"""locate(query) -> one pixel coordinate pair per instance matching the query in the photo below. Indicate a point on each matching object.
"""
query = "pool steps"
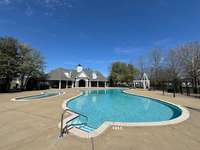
(80, 125)
(86, 128)
(76, 120)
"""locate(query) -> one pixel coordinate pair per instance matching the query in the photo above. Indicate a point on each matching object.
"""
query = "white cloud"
(54, 4)
(5, 2)
(29, 10)
(48, 6)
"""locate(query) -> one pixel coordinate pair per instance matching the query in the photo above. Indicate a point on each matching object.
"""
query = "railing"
(64, 130)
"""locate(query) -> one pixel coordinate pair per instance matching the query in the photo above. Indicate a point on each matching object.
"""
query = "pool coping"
(26, 100)
(80, 133)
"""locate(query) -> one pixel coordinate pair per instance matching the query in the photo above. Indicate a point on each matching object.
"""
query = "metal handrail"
(62, 130)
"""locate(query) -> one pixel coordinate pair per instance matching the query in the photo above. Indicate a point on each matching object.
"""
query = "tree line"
(179, 64)
(18, 60)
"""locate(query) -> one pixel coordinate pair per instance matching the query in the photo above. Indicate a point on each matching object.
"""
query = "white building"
(80, 77)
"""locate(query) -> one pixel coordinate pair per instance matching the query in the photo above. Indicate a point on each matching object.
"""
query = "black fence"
(185, 87)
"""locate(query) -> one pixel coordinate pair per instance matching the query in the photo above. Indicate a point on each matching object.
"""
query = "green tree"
(131, 72)
(18, 60)
(9, 59)
(31, 64)
(121, 72)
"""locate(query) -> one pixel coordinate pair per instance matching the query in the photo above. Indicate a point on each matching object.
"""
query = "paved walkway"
(33, 126)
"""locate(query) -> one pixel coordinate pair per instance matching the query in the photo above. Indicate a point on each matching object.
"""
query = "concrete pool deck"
(33, 125)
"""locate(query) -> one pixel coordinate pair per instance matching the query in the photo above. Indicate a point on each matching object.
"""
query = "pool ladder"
(64, 129)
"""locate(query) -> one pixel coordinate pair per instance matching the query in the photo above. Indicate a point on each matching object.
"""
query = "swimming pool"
(115, 106)
(42, 95)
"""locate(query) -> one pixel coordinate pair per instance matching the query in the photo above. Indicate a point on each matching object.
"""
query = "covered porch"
(84, 83)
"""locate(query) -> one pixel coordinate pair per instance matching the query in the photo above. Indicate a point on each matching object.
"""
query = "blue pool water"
(116, 106)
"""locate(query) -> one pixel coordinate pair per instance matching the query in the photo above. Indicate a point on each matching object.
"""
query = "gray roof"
(59, 74)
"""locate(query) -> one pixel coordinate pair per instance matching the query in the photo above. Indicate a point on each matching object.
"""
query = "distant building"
(79, 77)
(144, 82)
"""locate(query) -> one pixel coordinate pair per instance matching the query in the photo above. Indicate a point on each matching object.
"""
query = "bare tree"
(172, 65)
(189, 57)
(156, 65)
(141, 65)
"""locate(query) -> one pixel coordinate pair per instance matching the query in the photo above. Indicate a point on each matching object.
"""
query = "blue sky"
(96, 32)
